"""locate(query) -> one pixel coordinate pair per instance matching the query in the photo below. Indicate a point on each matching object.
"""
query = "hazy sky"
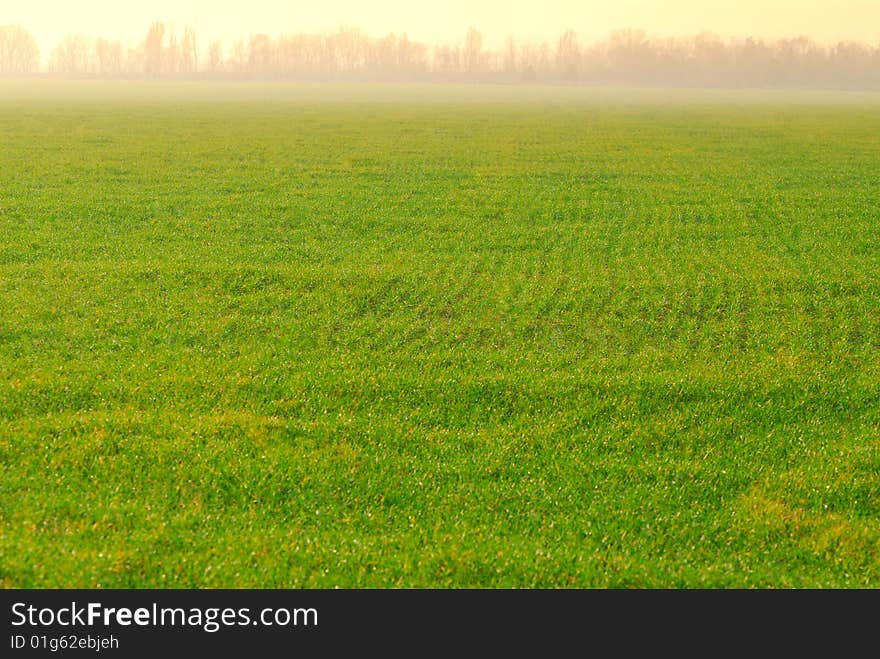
(447, 20)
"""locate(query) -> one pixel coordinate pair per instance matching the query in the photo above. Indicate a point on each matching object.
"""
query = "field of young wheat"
(316, 336)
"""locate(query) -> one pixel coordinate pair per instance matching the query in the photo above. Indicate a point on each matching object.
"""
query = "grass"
(318, 336)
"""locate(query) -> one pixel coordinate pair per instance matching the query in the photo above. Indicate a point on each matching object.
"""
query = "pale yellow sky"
(447, 20)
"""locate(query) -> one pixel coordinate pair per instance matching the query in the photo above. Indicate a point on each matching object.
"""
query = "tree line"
(624, 57)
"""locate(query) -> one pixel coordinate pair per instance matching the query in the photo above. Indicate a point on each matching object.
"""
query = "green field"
(313, 336)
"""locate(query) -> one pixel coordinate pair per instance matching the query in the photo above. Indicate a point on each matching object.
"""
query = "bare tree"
(627, 52)
(568, 55)
(416, 56)
(509, 60)
(153, 47)
(260, 54)
(171, 56)
(289, 52)
(238, 57)
(215, 56)
(447, 59)
(405, 54)
(18, 50)
(535, 60)
(72, 56)
(189, 52)
(350, 46)
(473, 50)
(108, 56)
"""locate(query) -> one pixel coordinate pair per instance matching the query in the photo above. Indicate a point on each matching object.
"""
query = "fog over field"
(675, 43)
